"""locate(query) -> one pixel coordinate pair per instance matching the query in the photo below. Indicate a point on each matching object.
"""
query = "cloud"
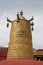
(38, 31)
(4, 32)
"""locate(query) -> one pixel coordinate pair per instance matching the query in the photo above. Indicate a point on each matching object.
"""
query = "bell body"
(20, 43)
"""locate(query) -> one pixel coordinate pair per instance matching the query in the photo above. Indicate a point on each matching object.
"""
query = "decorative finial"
(9, 20)
(21, 12)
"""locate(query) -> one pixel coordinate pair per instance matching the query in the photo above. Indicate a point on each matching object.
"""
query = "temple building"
(37, 54)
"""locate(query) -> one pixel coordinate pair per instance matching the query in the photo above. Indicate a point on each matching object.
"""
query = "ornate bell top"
(21, 15)
(21, 12)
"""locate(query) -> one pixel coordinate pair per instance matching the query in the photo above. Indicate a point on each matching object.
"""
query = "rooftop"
(21, 62)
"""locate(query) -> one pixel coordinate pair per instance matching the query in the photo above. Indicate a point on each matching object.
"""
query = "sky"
(10, 8)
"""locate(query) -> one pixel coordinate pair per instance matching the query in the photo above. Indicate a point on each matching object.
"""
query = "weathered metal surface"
(20, 43)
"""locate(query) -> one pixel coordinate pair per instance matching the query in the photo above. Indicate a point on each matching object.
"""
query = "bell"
(17, 17)
(32, 28)
(7, 25)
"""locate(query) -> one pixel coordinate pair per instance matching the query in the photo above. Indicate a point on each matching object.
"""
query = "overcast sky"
(9, 8)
